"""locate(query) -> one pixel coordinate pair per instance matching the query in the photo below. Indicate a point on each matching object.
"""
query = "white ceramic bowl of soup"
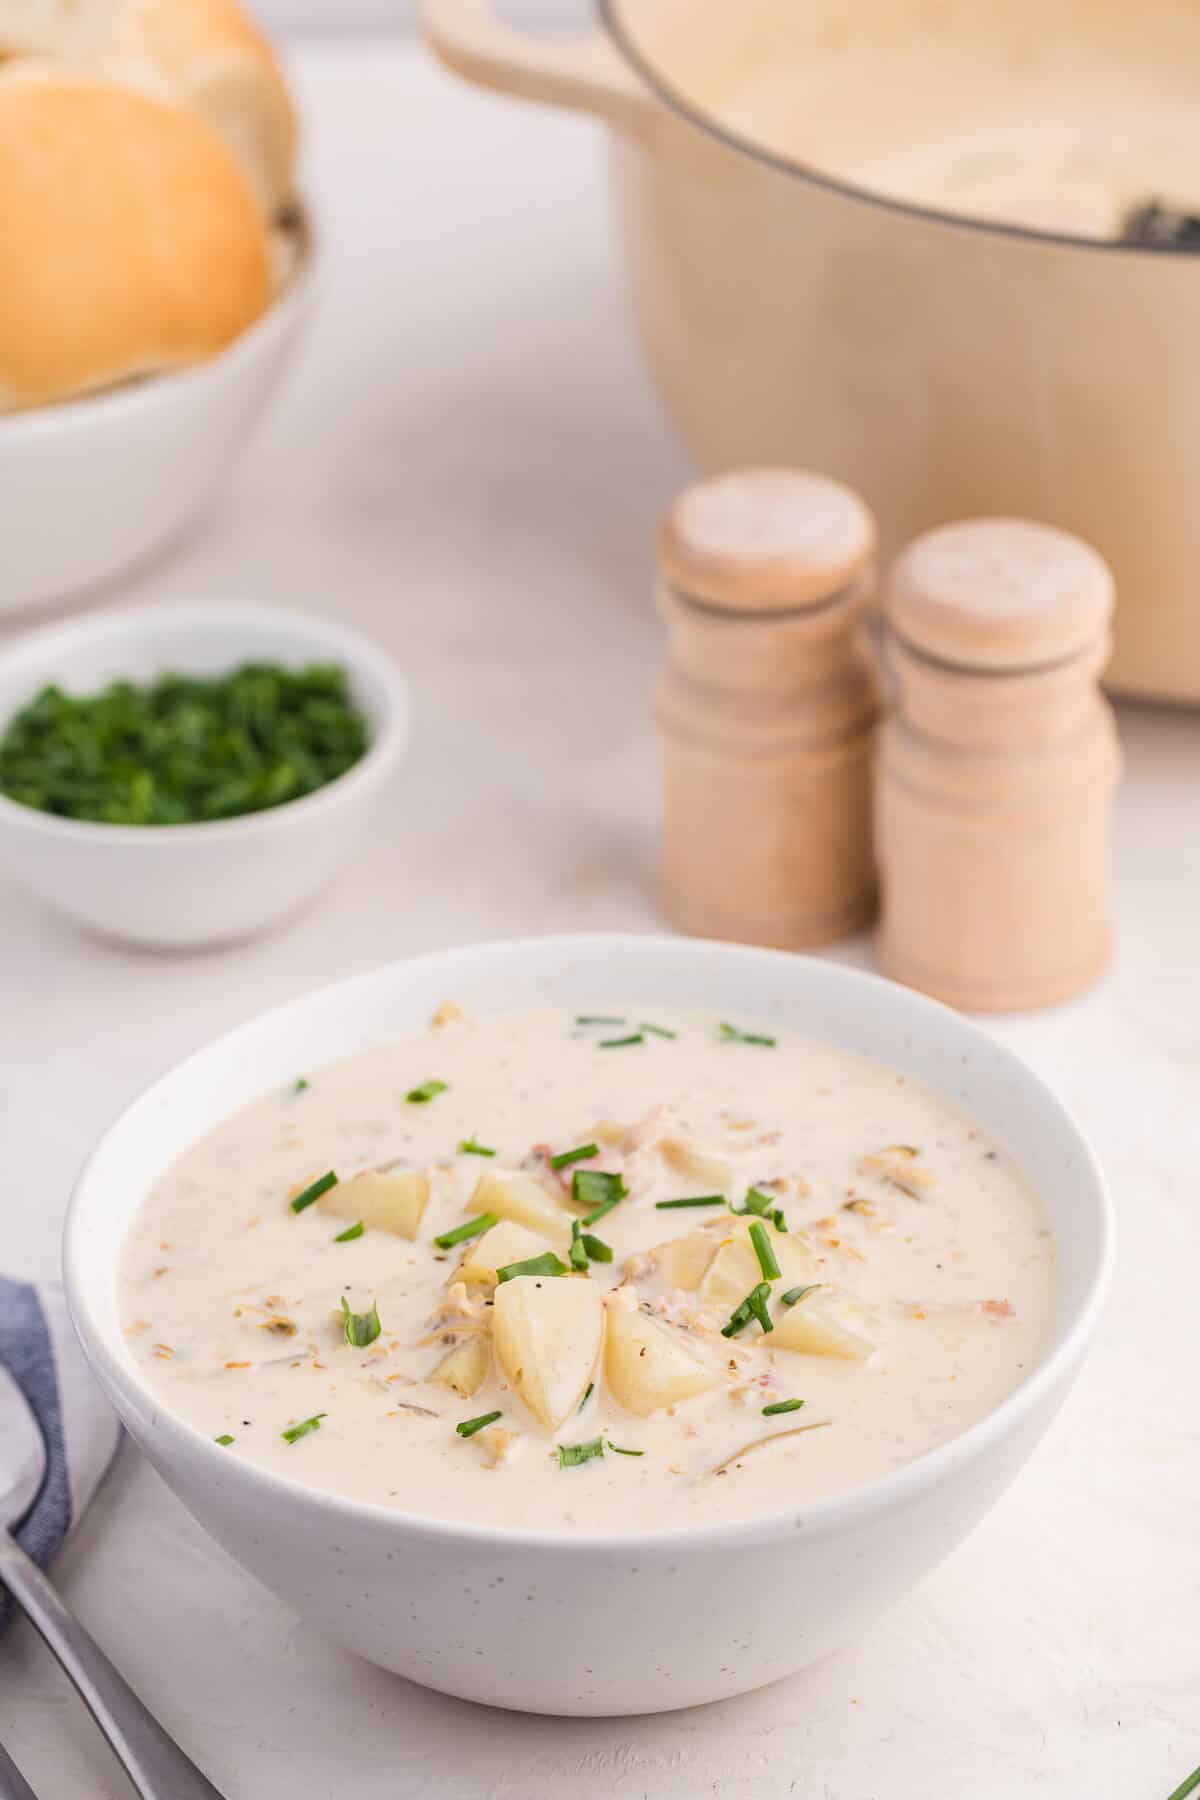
(169, 887)
(591, 1622)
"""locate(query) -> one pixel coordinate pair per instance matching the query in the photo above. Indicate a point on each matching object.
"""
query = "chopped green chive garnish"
(602, 1211)
(1187, 1787)
(428, 1090)
(758, 1298)
(314, 1190)
(635, 1037)
(303, 1428)
(468, 1427)
(546, 1264)
(699, 1200)
(582, 1153)
(299, 1085)
(183, 748)
(597, 1019)
(351, 1232)
(469, 1147)
(598, 1189)
(781, 1406)
(731, 1035)
(763, 1206)
(617, 1450)
(223, 1439)
(798, 1293)
(584, 1245)
(588, 1391)
(756, 1202)
(754, 1306)
(361, 1328)
(571, 1455)
(462, 1233)
(763, 1251)
(655, 1031)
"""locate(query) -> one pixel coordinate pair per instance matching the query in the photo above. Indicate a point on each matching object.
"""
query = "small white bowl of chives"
(172, 853)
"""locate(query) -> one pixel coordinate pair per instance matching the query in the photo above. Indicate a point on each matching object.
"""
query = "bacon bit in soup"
(497, 1444)
(898, 1166)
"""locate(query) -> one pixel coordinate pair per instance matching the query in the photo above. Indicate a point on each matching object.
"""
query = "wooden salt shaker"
(766, 709)
(997, 766)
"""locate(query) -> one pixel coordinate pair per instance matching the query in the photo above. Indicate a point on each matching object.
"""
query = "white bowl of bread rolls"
(156, 267)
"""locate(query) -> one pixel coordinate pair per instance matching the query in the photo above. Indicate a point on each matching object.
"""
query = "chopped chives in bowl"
(545, 1264)
(462, 1234)
(468, 1427)
(314, 1190)
(361, 1329)
(183, 750)
(571, 1455)
(428, 1090)
(729, 1034)
(296, 1432)
(581, 1153)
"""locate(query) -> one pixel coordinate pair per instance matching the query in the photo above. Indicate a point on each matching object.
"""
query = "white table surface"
(468, 463)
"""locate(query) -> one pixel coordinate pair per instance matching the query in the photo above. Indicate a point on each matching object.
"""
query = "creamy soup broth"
(918, 1262)
(1057, 141)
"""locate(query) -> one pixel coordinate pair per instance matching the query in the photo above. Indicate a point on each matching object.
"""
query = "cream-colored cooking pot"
(877, 237)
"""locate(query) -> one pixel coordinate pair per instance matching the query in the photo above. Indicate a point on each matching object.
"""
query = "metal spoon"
(153, 1761)
(13, 1785)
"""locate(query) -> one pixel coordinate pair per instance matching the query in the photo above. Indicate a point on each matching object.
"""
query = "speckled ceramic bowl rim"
(314, 635)
(893, 1492)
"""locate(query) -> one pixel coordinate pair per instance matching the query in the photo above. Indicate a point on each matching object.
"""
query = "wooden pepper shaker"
(766, 709)
(997, 766)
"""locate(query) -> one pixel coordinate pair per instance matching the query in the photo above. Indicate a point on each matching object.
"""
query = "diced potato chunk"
(693, 1158)
(392, 1202)
(512, 1194)
(648, 1365)
(505, 1243)
(465, 1367)
(547, 1331)
(682, 1261)
(824, 1323)
(735, 1269)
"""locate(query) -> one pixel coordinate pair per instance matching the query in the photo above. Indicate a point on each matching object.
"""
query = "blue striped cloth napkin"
(39, 1349)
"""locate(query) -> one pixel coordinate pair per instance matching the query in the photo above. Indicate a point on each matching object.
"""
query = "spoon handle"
(155, 1764)
(13, 1785)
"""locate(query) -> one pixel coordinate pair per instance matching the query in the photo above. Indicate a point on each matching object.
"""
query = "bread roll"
(131, 240)
(202, 54)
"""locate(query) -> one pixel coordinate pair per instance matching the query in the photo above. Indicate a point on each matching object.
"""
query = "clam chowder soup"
(630, 1269)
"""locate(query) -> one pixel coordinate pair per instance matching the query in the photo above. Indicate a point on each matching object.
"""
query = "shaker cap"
(999, 594)
(765, 540)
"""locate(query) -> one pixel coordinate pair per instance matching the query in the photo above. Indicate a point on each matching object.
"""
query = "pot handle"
(587, 74)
